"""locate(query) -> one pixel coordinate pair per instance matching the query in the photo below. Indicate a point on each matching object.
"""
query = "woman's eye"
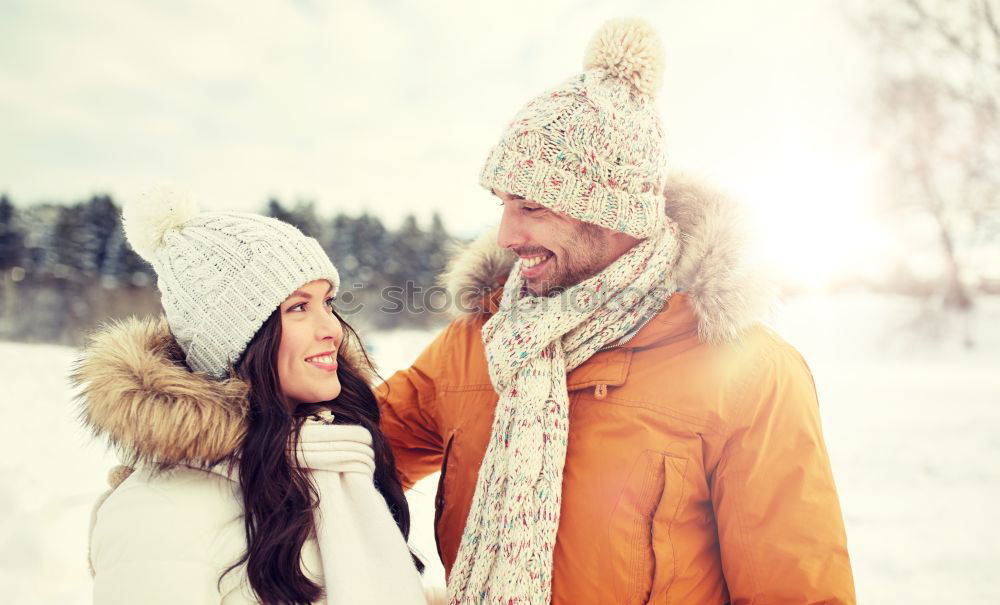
(297, 307)
(530, 209)
(329, 302)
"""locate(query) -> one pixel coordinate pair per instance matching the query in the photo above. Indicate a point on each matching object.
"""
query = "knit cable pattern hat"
(220, 274)
(592, 148)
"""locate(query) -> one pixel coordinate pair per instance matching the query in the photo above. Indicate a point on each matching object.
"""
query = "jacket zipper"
(635, 333)
(439, 499)
(601, 390)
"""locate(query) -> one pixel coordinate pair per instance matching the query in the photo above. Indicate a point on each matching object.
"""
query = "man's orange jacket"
(696, 471)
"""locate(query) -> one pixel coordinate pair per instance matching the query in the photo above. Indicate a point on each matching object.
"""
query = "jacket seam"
(670, 526)
(712, 427)
(742, 413)
(614, 509)
(464, 388)
(434, 421)
(638, 540)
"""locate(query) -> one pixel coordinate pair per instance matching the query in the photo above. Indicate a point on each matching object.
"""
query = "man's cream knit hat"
(220, 274)
(592, 148)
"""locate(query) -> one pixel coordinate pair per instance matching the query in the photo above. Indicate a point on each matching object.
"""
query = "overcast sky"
(390, 107)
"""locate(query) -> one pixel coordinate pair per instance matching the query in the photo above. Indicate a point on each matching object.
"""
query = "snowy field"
(913, 429)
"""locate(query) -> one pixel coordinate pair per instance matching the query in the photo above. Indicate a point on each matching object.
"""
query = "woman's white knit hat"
(592, 148)
(220, 274)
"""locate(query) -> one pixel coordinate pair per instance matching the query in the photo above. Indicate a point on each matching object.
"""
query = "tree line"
(65, 269)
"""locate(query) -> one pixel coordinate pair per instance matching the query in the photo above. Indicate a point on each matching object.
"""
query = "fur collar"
(135, 391)
(727, 290)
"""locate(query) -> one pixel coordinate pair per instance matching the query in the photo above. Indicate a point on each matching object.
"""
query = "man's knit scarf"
(532, 343)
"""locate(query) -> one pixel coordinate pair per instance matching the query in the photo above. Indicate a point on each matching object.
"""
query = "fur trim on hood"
(727, 289)
(135, 390)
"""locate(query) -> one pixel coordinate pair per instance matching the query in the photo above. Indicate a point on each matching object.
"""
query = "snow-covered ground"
(913, 429)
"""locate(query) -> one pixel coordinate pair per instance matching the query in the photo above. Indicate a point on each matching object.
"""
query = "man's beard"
(588, 259)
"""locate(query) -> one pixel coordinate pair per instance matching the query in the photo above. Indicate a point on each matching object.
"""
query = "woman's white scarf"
(365, 558)
(531, 344)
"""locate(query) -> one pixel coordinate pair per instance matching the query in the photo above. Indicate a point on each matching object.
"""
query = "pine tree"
(439, 247)
(340, 243)
(407, 257)
(103, 220)
(303, 216)
(11, 237)
(83, 232)
(371, 250)
(39, 239)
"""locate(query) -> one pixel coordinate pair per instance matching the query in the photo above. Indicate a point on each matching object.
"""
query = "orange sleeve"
(408, 406)
(781, 531)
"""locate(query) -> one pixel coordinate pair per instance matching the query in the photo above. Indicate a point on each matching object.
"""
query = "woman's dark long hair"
(278, 497)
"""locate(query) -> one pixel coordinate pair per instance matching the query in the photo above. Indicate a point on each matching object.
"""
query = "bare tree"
(938, 120)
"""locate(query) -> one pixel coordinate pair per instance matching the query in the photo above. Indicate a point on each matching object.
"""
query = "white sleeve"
(157, 582)
(163, 542)
(435, 595)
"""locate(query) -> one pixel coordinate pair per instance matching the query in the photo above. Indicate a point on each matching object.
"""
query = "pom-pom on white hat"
(158, 210)
(220, 274)
(593, 146)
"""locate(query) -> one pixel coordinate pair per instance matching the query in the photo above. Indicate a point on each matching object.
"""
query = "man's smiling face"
(556, 250)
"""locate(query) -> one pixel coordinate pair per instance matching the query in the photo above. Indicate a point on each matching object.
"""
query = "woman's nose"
(330, 329)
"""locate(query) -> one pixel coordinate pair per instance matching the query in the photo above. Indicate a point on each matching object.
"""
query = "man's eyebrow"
(512, 196)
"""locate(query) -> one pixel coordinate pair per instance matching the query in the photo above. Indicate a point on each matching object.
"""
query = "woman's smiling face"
(310, 338)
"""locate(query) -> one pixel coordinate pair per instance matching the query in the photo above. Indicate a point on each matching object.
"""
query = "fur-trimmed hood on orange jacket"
(696, 470)
(727, 288)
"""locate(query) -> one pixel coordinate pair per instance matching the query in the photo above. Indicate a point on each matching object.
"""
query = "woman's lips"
(326, 367)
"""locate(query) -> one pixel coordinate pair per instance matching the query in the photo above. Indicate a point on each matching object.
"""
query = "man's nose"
(510, 234)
